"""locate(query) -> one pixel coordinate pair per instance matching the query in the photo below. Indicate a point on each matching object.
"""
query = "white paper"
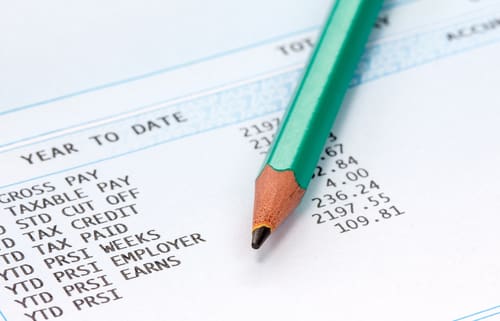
(127, 194)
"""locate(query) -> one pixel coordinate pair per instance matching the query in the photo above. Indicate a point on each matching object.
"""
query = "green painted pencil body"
(295, 152)
(318, 98)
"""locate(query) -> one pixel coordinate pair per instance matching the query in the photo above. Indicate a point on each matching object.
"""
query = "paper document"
(130, 145)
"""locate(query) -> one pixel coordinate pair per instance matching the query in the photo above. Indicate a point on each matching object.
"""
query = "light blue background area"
(53, 47)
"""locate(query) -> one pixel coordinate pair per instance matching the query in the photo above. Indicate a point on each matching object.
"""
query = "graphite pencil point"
(259, 235)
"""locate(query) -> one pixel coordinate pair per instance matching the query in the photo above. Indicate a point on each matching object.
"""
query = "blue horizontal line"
(474, 314)
(487, 317)
(156, 72)
(3, 316)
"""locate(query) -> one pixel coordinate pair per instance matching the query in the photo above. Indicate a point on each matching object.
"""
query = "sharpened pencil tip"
(259, 235)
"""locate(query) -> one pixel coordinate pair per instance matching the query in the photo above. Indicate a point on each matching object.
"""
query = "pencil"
(307, 122)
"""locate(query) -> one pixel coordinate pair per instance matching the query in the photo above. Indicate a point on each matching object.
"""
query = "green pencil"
(307, 122)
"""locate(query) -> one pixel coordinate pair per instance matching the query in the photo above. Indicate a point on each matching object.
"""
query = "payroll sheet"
(132, 135)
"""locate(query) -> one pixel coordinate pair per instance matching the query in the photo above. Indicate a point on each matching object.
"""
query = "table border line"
(477, 313)
(4, 318)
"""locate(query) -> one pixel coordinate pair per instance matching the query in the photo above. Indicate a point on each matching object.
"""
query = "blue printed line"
(488, 316)
(3, 316)
(157, 72)
(137, 149)
(475, 314)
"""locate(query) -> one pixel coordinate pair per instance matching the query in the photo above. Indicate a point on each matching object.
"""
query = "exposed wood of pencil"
(277, 194)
